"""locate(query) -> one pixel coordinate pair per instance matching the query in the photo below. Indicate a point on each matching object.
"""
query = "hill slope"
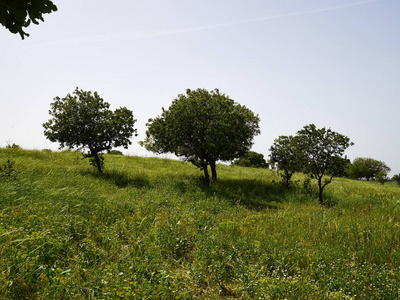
(148, 229)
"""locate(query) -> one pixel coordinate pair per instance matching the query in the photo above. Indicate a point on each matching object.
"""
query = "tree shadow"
(123, 180)
(253, 194)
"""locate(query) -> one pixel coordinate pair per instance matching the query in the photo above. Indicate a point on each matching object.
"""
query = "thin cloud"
(134, 36)
(298, 13)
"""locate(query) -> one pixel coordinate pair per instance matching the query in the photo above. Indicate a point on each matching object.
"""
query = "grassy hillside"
(148, 229)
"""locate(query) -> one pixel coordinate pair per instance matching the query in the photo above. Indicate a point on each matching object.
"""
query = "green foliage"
(146, 229)
(15, 15)
(203, 127)
(284, 156)
(115, 152)
(316, 152)
(96, 160)
(366, 168)
(13, 146)
(7, 171)
(396, 178)
(322, 153)
(84, 121)
(381, 177)
(251, 159)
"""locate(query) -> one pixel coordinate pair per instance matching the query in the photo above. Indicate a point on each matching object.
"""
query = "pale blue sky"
(332, 63)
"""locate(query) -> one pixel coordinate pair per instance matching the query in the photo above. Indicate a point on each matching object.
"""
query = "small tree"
(322, 153)
(251, 159)
(396, 178)
(284, 156)
(84, 121)
(203, 127)
(17, 14)
(381, 177)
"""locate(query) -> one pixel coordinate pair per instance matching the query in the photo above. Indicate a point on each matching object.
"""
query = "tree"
(251, 159)
(381, 177)
(367, 168)
(115, 152)
(84, 121)
(396, 178)
(17, 14)
(322, 153)
(284, 156)
(203, 127)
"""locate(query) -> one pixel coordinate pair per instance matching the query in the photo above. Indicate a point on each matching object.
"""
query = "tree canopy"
(251, 159)
(396, 178)
(366, 168)
(381, 177)
(203, 127)
(322, 153)
(84, 121)
(15, 15)
(284, 156)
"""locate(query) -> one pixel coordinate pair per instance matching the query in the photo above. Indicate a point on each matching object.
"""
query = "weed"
(8, 172)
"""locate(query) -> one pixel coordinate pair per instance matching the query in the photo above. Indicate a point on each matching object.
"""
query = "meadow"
(149, 229)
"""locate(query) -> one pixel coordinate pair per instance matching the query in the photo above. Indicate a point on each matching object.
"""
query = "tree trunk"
(213, 170)
(206, 175)
(98, 162)
(287, 179)
(321, 189)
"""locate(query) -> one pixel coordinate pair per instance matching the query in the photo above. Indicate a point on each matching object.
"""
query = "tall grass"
(148, 229)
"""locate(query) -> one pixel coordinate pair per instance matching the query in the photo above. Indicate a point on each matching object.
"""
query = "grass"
(148, 229)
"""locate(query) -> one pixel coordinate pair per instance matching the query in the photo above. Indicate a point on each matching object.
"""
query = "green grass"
(148, 229)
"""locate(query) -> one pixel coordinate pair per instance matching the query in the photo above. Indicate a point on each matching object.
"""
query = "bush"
(7, 171)
(115, 152)
(13, 146)
(251, 159)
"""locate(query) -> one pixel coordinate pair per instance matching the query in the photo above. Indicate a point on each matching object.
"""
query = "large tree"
(366, 168)
(15, 15)
(284, 156)
(322, 154)
(84, 121)
(203, 127)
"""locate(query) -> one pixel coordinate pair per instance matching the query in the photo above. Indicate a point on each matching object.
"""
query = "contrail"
(298, 13)
(130, 36)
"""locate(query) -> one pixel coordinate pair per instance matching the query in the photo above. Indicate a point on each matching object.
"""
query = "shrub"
(13, 146)
(7, 171)
(115, 152)
(251, 159)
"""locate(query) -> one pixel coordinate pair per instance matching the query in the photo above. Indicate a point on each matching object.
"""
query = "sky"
(333, 63)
